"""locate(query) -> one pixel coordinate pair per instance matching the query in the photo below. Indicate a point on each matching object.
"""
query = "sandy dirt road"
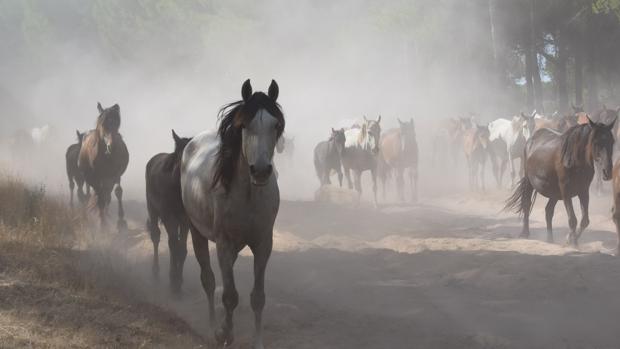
(444, 274)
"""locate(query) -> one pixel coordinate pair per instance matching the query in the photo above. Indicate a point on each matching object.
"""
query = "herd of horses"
(222, 186)
(559, 155)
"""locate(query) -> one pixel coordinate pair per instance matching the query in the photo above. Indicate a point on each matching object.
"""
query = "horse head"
(108, 124)
(407, 130)
(339, 139)
(600, 146)
(261, 124)
(371, 130)
(80, 136)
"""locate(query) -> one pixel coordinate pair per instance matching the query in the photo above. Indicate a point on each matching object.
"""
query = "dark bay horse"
(231, 197)
(560, 167)
(163, 202)
(74, 174)
(399, 153)
(360, 153)
(103, 160)
(327, 155)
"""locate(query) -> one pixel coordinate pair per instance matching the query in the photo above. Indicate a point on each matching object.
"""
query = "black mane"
(232, 118)
(574, 142)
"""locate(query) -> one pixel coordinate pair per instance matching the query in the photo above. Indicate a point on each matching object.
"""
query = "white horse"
(360, 153)
(231, 196)
(514, 133)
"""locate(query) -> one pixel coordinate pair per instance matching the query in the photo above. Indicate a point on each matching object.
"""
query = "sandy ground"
(447, 273)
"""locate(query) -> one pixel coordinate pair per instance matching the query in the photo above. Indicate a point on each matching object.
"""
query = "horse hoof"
(524, 235)
(122, 226)
(222, 338)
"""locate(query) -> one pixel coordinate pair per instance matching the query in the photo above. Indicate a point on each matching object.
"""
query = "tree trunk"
(561, 75)
(592, 71)
(529, 85)
(578, 77)
(538, 92)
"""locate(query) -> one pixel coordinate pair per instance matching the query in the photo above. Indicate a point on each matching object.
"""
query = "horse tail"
(523, 198)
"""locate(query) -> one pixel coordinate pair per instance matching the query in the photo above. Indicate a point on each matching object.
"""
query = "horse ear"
(365, 118)
(99, 108)
(611, 125)
(333, 131)
(176, 138)
(399, 122)
(379, 119)
(246, 90)
(274, 90)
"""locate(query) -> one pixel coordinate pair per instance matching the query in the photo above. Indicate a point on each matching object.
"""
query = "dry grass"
(55, 294)
(27, 214)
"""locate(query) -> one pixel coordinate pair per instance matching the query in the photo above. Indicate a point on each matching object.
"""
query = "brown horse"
(399, 152)
(560, 167)
(103, 160)
(163, 203)
(616, 203)
(475, 143)
(74, 174)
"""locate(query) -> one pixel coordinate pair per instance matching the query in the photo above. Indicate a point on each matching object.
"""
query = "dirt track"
(417, 276)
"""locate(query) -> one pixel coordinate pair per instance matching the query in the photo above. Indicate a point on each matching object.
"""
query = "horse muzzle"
(260, 174)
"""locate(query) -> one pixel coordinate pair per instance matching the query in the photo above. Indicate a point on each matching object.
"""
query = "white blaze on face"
(259, 138)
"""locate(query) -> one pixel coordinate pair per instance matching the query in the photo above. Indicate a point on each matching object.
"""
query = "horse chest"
(243, 219)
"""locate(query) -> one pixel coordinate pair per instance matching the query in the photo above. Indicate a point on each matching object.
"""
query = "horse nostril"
(269, 169)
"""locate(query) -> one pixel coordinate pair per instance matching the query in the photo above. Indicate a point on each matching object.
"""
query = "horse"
(616, 201)
(399, 152)
(327, 155)
(560, 166)
(499, 159)
(74, 175)
(103, 159)
(475, 144)
(514, 133)
(163, 203)
(231, 197)
(360, 153)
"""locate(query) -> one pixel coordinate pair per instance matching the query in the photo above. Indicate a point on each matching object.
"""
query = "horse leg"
(400, 183)
(155, 233)
(227, 255)
(358, 181)
(182, 251)
(326, 175)
(172, 228)
(512, 169)
(572, 221)
(413, 178)
(71, 187)
(201, 251)
(584, 201)
(616, 218)
(339, 171)
(482, 163)
(121, 224)
(347, 173)
(257, 297)
(373, 174)
(549, 210)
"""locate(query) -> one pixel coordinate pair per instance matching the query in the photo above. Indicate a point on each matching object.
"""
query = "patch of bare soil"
(64, 298)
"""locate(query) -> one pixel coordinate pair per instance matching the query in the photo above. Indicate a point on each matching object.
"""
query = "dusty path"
(418, 276)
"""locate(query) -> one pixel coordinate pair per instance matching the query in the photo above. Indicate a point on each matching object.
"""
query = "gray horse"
(231, 197)
(327, 156)
(360, 153)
